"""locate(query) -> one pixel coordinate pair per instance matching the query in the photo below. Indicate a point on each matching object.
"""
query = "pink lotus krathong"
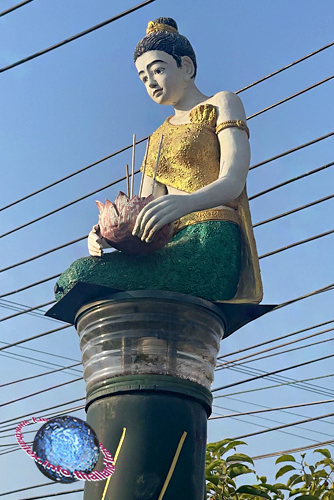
(117, 220)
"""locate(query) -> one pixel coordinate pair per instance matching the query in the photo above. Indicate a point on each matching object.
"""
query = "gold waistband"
(206, 215)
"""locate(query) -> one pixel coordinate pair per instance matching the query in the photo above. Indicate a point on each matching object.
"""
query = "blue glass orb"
(69, 442)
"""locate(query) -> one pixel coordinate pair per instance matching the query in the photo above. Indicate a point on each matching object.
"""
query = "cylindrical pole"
(149, 360)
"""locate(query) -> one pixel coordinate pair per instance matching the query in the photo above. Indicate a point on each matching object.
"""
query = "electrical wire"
(44, 352)
(290, 97)
(293, 211)
(34, 337)
(40, 375)
(293, 179)
(294, 450)
(27, 310)
(31, 285)
(276, 339)
(293, 382)
(68, 492)
(305, 421)
(71, 175)
(285, 67)
(17, 6)
(280, 370)
(40, 392)
(301, 242)
(64, 206)
(274, 409)
(27, 488)
(234, 361)
(75, 37)
(293, 150)
(35, 412)
(19, 356)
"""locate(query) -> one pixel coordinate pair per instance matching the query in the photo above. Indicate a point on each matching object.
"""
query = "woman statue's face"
(165, 82)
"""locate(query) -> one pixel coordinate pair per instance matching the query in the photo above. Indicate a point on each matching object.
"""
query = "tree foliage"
(302, 481)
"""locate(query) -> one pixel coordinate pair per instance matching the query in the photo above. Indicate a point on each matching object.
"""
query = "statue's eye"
(144, 79)
(158, 70)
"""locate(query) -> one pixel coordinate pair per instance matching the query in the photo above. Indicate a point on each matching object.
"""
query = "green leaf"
(284, 470)
(239, 457)
(251, 490)
(237, 470)
(297, 491)
(270, 487)
(323, 452)
(212, 465)
(281, 486)
(213, 479)
(285, 458)
(295, 478)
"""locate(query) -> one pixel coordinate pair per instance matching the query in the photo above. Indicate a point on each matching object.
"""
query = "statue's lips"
(156, 92)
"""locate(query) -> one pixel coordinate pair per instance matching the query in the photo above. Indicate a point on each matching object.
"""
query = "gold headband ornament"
(153, 26)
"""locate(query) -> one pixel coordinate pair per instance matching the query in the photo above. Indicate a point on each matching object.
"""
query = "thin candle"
(127, 180)
(133, 164)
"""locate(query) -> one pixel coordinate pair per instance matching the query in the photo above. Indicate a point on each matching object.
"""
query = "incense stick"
(127, 180)
(156, 166)
(133, 164)
(143, 174)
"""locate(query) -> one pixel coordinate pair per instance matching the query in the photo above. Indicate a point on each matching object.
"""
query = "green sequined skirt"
(202, 260)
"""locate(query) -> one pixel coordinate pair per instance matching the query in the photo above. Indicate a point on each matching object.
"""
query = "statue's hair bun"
(166, 20)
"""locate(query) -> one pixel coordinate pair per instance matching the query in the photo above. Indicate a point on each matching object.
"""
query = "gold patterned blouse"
(190, 154)
(190, 160)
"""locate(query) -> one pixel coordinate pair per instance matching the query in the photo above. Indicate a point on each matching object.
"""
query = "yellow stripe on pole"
(115, 458)
(172, 467)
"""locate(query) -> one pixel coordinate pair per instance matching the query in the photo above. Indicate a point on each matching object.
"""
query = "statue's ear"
(188, 67)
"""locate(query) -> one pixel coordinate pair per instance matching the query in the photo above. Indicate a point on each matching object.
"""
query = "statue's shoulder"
(229, 106)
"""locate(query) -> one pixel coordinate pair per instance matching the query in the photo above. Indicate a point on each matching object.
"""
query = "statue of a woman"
(200, 186)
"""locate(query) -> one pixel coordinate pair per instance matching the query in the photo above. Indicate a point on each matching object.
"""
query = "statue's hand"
(159, 212)
(96, 242)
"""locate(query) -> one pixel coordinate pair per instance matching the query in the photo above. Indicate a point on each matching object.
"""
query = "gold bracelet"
(232, 123)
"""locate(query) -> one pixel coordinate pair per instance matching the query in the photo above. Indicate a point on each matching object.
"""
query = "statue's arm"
(234, 157)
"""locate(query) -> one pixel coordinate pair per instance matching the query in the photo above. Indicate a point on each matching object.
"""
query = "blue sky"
(82, 102)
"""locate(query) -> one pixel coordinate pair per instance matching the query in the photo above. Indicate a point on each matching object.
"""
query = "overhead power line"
(285, 67)
(293, 211)
(68, 492)
(27, 310)
(273, 409)
(275, 339)
(40, 392)
(11, 9)
(34, 337)
(280, 370)
(40, 375)
(294, 450)
(290, 97)
(301, 242)
(31, 285)
(233, 361)
(293, 150)
(35, 412)
(293, 179)
(292, 383)
(307, 420)
(75, 37)
(27, 488)
(72, 175)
